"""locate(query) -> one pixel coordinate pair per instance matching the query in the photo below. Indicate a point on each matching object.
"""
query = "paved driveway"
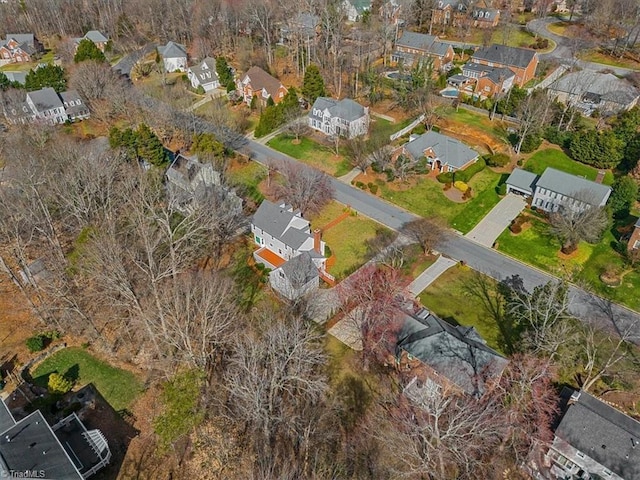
(430, 275)
(493, 224)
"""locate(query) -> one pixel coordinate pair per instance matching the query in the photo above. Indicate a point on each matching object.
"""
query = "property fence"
(408, 128)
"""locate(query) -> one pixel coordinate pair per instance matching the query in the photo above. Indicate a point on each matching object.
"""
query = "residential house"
(49, 106)
(442, 153)
(522, 61)
(282, 235)
(634, 239)
(17, 76)
(174, 57)
(593, 440)
(94, 36)
(355, 9)
(344, 118)
(489, 81)
(190, 182)
(412, 47)
(66, 450)
(464, 12)
(258, 83)
(204, 75)
(588, 90)
(555, 189)
(303, 26)
(391, 10)
(445, 357)
(19, 47)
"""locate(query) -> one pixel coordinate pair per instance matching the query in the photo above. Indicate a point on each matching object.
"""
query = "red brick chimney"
(317, 237)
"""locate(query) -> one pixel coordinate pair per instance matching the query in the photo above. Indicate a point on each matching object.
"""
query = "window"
(607, 472)
(580, 455)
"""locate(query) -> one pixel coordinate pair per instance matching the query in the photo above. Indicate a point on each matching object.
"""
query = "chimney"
(317, 237)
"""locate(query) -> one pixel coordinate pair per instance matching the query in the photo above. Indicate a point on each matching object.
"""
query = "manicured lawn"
(427, 199)
(472, 119)
(600, 57)
(415, 262)
(384, 128)
(557, 159)
(449, 300)
(559, 28)
(119, 387)
(21, 67)
(247, 176)
(517, 37)
(312, 153)
(347, 239)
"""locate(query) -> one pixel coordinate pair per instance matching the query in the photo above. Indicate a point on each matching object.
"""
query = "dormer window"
(460, 7)
(440, 4)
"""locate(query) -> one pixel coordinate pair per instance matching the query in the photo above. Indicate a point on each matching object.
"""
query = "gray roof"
(509, 56)
(27, 38)
(300, 270)
(456, 352)
(78, 104)
(20, 77)
(495, 74)
(275, 220)
(448, 150)
(346, 109)
(45, 99)
(522, 180)
(361, 6)
(95, 36)
(605, 85)
(637, 225)
(31, 445)
(572, 185)
(173, 50)
(205, 71)
(6, 419)
(604, 434)
(419, 41)
(486, 14)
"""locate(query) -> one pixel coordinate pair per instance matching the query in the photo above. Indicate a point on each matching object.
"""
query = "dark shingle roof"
(6, 419)
(346, 109)
(300, 270)
(276, 219)
(522, 180)
(260, 79)
(415, 40)
(20, 77)
(604, 434)
(606, 86)
(78, 105)
(45, 99)
(173, 50)
(509, 56)
(456, 352)
(205, 71)
(449, 150)
(22, 38)
(96, 37)
(572, 185)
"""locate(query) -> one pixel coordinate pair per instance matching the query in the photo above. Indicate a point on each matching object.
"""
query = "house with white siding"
(344, 118)
(174, 57)
(204, 75)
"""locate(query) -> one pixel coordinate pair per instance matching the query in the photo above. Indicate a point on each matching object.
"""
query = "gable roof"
(173, 50)
(420, 41)
(522, 180)
(20, 77)
(205, 71)
(456, 352)
(95, 36)
(27, 38)
(277, 221)
(45, 99)
(571, 185)
(300, 270)
(605, 85)
(72, 96)
(509, 56)
(637, 224)
(345, 109)
(486, 14)
(448, 150)
(6, 419)
(360, 6)
(259, 79)
(602, 433)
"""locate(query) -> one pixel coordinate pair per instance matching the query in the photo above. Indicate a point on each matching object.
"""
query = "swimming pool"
(449, 93)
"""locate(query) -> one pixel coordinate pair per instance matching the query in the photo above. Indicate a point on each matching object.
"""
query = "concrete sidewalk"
(493, 224)
(430, 275)
(349, 177)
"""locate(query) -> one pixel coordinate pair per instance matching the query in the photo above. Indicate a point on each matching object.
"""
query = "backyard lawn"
(25, 66)
(119, 387)
(426, 198)
(313, 154)
(557, 159)
(449, 300)
(384, 128)
(600, 57)
(247, 176)
(347, 239)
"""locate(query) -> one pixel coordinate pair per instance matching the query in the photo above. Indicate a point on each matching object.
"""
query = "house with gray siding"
(442, 153)
(174, 57)
(295, 277)
(554, 189)
(344, 118)
(204, 75)
(47, 105)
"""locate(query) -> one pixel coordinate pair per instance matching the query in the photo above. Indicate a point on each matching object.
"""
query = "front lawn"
(347, 240)
(118, 387)
(551, 157)
(449, 300)
(598, 56)
(426, 198)
(312, 153)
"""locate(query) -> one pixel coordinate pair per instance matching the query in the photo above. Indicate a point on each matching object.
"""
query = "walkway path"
(430, 275)
(350, 177)
(383, 116)
(494, 223)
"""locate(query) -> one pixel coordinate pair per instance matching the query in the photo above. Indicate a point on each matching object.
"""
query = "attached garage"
(521, 182)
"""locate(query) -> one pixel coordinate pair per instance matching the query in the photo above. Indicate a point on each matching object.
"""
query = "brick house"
(522, 61)
(464, 13)
(489, 80)
(19, 47)
(634, 240)
(441, 153)
(98, 38)
(412, 46)
(258, 83)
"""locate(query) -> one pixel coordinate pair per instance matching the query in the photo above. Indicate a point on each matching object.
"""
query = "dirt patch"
(624, 401)
(454, 195)
(569, 256)
(473, 136)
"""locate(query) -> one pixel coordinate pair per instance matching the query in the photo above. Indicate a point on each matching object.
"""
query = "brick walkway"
(337, 220)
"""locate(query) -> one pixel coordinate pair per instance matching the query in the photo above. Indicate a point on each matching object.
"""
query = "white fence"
(408, 128)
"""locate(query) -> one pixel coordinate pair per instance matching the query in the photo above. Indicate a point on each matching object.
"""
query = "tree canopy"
(602, 149)
(46, 76)
(141, 144)
(224, 74)
(313, 84)
(87, 50)
(625, 191)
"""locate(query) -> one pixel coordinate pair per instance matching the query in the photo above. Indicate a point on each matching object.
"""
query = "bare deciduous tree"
(303, 187)
(575, 223)
(426, 232)
(358, 153)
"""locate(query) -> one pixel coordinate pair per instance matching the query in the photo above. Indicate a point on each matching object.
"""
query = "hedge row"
(463, 175)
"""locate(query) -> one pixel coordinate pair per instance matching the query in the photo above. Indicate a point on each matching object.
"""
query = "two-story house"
(258, 83)
(19, 47)
(174, 57)
(554, 189)
(283, 235)
(204, 75)
(464, 12)
(355, 9)
(442, 153)
(522, 61)
(489, 81)
(344, 118)
(634, 239)
(98, 38)
(412, 47)
(48, 106)
(593, 440)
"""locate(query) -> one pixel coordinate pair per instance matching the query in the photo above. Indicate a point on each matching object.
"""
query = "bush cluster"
(460, 185)
(463, 175)
(38, 342)
(497, 160)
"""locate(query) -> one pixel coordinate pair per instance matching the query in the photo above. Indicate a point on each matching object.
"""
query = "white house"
(554, 189)
(356, 8)
(204, 75)
(345, 118)
(174, 57)
(295, 277)
(48, 106)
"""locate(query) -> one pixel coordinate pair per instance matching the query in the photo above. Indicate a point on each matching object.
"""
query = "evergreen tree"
(46, 76)
(149, 147)
(625, 191)
(270, 102)
(602, 149)
(5, 83)
(290, 102)
(224, 74)
(313, 84)
(87, 50)
(207, 143)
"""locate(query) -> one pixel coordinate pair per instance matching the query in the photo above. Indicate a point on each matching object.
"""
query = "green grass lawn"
(24, 66)
(449, 300)
(516, 37)
(473, 119)
(600, 57)
(384, 128)
(119, 387)
(311, 153)
(557, 159)
(347, 240)
(247, 176)
(427, 199)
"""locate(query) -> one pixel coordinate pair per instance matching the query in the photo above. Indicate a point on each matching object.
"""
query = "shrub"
(35, 343)
(373, 188)
(445, 177)
(370, 184)
(515, 228)
(447, 186)
(460, 185)
(502, 189)
(467, 194)
(520, 162)
(200, 90)
(558, 137)
(390, 175)
(59, 385)
(375, 166)
(469, 172)
(380, 182)
(498, 160)
(361, 185)
(530, 143)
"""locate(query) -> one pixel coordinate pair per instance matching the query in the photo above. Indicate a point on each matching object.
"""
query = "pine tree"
(58, 385)
(5, 83)
(46, 76)
(149, 147)
(313, 84)
(87, 50)
(224, 73)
